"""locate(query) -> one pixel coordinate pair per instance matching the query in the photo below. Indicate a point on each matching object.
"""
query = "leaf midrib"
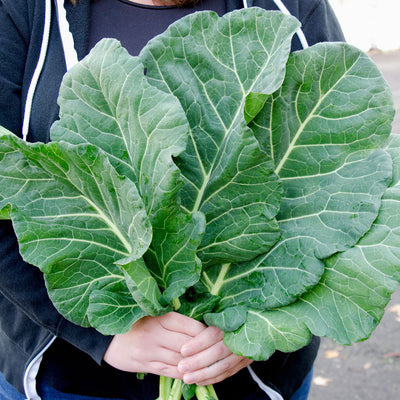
(311, 115)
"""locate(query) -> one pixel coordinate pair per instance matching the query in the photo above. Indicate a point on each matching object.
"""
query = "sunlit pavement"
(368, 370)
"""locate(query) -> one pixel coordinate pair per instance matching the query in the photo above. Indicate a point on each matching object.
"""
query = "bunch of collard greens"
(218, 175)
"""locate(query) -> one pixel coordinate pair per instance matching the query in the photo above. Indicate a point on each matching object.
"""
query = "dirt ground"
(369, 370)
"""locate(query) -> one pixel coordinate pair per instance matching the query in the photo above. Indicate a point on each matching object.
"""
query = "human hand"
(206, 360)
(153, 345)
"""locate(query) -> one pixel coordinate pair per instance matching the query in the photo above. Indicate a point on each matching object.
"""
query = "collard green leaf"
(212, 65)
(229, 319)
(74, 217)
(5, 212)
(197, 301)
(173, 260)
(188, 391)
(143, 287)
(332, 191)
(240, 204)
(265, 332)
(111, 310)
(333, 101)
(349, 301)
(106, 100)
(172, 257)
(338, 209)
(253, 105)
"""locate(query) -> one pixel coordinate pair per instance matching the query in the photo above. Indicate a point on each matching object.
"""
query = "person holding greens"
(44, 356)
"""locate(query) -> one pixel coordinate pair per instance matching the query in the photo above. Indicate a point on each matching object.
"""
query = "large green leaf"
(318, 230)
(334, 100)
(112, 310)
(350, 299)
(212, 65)
(106, 100)
(74, 217)
(333, 103)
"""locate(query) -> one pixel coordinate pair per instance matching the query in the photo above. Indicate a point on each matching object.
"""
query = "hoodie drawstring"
(70, 55)
(299, 33)
(38, 70)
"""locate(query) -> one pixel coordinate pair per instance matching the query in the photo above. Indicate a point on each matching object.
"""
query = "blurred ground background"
(369, 370)
(370, 24)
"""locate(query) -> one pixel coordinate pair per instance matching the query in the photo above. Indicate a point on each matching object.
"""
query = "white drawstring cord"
(273, 395)
(245, 4)
(71, 57)
(299, 32)
(38, 70)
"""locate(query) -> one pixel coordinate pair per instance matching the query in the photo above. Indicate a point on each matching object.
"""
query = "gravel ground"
(369, 370)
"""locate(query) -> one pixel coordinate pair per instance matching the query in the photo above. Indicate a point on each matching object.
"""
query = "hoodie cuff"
(87, 340)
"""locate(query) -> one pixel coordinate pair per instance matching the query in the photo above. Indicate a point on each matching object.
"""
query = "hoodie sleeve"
(319, 22)
(22, 284)
(13, 50)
